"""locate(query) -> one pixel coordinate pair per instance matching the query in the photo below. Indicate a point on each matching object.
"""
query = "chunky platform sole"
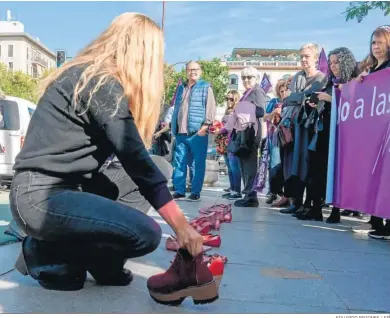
(203, 294)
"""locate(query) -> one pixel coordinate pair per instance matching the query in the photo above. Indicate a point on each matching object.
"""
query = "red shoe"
(202, 227)
(212, 220)
(211, 240)
(225, 208)
(208, 258)
(188, 276)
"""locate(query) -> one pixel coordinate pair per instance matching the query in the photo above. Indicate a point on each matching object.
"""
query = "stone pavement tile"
(361, 292)
(319, 236)
(223, 306)
(254, 285)
(350, 262)
(266, 234)
(19, 294)
(8, 255)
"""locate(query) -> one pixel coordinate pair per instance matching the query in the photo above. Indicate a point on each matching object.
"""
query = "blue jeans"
(73, 228)
(233, 166)
(190, 148)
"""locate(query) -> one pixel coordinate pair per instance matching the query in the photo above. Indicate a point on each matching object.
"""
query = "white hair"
(250, 71)
(314, 48)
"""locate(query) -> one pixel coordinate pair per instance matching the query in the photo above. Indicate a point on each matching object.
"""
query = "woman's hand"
(186, 235)
(361, 76)
(189, 239)
(324, 96)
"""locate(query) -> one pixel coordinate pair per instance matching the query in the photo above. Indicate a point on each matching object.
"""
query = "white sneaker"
(363, 229)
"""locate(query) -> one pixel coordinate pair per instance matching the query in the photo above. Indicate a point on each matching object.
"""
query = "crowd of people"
(81, 193)
(294, 152)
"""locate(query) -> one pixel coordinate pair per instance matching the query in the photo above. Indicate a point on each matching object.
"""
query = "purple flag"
(362, 156)
(174, 95)
(323, 62)
(265, 83)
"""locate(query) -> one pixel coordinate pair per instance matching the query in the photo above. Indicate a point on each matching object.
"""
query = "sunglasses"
(247, 77)
(229, 99)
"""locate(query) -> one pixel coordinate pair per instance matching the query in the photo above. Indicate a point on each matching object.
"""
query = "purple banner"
(362, 159)
(323, 62)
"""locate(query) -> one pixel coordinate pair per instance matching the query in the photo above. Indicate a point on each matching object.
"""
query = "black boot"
(106, 264)
(300, 211)
(334, 216)
(44, 263)
(314, 213)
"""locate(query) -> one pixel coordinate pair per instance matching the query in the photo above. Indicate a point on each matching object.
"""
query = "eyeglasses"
(193, 70)
(229, 99)
(249, 77)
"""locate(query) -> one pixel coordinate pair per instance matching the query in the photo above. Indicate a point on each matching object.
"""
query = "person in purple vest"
(194, 112)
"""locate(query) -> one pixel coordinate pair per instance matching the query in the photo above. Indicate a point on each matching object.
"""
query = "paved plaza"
(276, 264)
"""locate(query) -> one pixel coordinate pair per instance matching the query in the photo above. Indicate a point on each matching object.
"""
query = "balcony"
(263, 63)
(36, 59)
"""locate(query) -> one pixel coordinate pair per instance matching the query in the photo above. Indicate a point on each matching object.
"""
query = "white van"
(15, 115)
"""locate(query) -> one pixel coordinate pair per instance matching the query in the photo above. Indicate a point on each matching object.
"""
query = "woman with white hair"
(296, 129)
(251, 109)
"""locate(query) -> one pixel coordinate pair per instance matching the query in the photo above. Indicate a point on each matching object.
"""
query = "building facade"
(21, 52)
(276, 63)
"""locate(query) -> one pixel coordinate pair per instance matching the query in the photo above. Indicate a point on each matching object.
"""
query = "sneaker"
(194, 197)
(188, 189)
(362, 229)
(227, 190)
(381, 234)
(172, 189)
(234, 196)
(188, 276)
(225, 195)
(177, 196)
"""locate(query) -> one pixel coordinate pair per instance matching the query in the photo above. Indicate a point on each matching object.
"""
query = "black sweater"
(73, 141)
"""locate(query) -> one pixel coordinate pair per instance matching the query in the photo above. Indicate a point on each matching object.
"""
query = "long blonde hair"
(131, 50)
(236, 99)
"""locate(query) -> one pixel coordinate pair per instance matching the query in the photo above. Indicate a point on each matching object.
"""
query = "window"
(27, 69)
(34, 71)
(10, 50)
(11, 66)
(27, 54)
(233, 79)
(9, 115)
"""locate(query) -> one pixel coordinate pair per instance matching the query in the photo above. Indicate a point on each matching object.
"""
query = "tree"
(17, 84)
(212, 71)
(359, 9)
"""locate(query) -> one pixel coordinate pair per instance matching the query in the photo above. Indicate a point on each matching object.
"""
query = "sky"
(202, 30)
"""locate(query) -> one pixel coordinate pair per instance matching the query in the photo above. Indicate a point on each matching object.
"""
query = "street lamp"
(163, 16)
